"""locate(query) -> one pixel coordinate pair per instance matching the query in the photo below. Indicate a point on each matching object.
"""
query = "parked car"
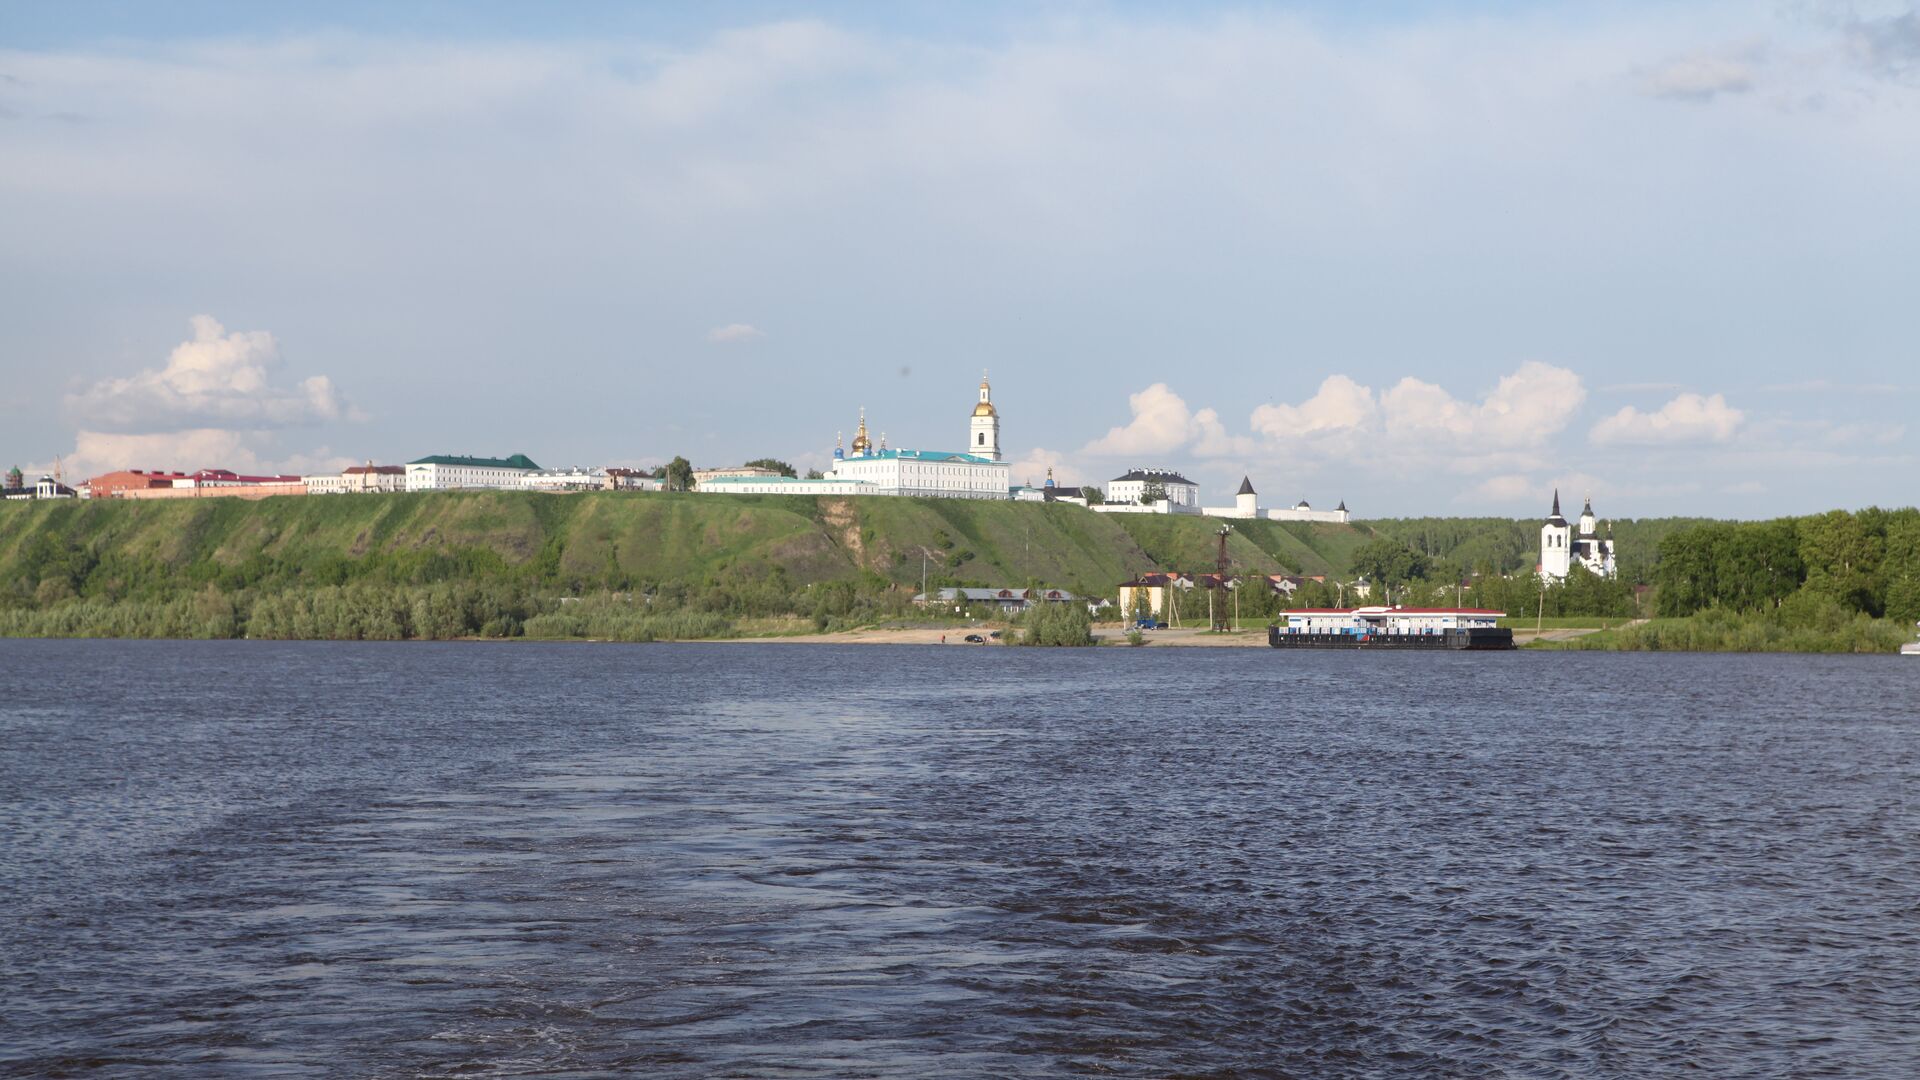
(995, 635)
(976, 639)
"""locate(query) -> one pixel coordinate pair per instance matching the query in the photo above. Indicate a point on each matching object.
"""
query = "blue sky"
(1428, 259)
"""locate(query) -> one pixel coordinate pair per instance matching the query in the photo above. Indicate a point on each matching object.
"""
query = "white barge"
(1391, 628)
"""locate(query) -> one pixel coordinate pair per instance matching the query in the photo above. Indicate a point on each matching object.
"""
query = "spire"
(861, 444)
(1246, 486)
(1556, 502)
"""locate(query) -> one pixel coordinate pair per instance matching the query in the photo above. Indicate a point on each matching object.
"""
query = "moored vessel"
(1911, 648)
(1391, 628)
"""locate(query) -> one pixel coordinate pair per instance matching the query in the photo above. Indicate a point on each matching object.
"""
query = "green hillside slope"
(154, 549)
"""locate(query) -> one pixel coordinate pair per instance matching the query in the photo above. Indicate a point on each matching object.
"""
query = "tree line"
(1865, 562)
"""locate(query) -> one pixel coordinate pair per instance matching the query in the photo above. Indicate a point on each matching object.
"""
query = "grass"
(1717, 631)
(161, 548)
(1563, 622)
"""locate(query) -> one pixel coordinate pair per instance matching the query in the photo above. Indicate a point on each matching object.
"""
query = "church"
(869, 467)
(1561, 549)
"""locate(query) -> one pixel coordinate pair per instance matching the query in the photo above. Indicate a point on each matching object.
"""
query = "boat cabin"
(1378, 621)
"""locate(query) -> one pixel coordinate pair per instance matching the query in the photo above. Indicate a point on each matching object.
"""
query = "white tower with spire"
(1556, 544)
(983, 436)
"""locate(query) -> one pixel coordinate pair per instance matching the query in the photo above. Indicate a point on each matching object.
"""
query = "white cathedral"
(870, 468)
(1560, 549)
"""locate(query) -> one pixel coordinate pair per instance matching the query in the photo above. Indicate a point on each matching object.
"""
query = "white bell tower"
(983, 435)
(1556, 544)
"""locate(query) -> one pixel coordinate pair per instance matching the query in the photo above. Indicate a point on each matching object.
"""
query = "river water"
(316, 859)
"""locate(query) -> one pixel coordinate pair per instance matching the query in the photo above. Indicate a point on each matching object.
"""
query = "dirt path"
(1522, 637)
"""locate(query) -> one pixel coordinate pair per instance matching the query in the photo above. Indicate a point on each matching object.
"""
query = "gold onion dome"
(985, 408)
(860, 441)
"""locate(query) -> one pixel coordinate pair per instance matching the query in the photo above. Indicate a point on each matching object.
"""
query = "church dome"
(985, 408)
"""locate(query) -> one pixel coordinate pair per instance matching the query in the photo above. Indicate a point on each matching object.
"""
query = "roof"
(517, 461)
(924, 455)
(1165, 476)
(724, 481)
(1397, 611)
(955, 593)
(374, 470)
(1246, 486)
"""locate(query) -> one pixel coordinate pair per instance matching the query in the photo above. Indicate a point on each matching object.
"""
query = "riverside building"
(1561, 549)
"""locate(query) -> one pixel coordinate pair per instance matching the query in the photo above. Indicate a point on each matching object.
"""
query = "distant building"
(624, 479)
(1050, 492)
(448, 472)
(737, 472)
(1246, 506)
(595, 479)
(869, 468)
(1161, 592)
(212, 484)
(44, 488)
(360, 480)
(117, 484)
(1561, 549)
(1131, 486)
(1006, 599)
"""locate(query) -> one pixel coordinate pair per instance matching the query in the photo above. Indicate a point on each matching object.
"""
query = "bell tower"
(1556, 544)
(983, 435)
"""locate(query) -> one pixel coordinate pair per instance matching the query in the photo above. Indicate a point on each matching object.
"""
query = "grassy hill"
(149, 549)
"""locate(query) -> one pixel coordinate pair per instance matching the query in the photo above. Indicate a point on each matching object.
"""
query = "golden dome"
(985, 408)
(860, 441)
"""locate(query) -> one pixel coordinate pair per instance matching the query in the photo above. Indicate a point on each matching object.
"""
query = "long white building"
(870, 468)
(445, 472)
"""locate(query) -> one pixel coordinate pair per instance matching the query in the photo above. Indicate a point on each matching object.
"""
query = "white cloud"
(1161, 424)
(1340, 405)
(1506, 488)
(214, 404)
(1525, 409)
(734, 333)
(1689, 418)
(215, 379)
(1032, 468)
(1700, 78)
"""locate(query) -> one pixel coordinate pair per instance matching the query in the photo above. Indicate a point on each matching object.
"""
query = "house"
(360, 480)
(1004, 599)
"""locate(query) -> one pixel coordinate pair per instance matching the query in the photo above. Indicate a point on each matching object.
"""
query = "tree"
(1388, 562)
(679, 475)
(1092, 495)
(1151, 492)
(816, 474)
(1842, 556)
(774, 464)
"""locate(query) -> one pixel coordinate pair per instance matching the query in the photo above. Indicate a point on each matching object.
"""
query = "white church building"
(1561, 549)
(870, 468)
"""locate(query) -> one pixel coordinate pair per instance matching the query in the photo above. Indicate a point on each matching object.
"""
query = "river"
(515, 859)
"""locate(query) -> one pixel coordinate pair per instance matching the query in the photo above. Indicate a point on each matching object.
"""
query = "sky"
(1423, 258)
